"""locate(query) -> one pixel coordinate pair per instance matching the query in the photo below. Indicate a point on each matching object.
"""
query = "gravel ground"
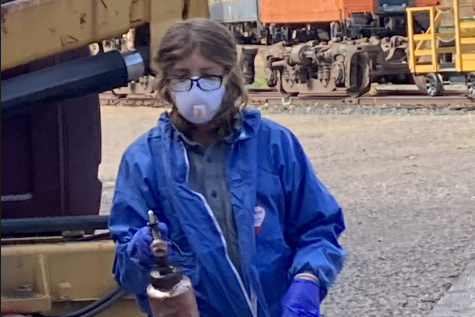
(383, 110)
(406, 183)
(407, 188)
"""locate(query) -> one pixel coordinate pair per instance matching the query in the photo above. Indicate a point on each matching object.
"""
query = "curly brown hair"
(215, 43)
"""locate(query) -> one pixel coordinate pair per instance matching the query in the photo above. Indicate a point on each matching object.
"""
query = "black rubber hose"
(104, 306)
(93, 305)
(80, 77)
(96, 307)
(111, 297)
(84, 76)
(52, 225)
(93, 237)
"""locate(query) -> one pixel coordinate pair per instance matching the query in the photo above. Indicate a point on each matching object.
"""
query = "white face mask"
(198, 106)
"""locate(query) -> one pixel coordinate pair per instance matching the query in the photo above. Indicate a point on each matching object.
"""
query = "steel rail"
(407, 99)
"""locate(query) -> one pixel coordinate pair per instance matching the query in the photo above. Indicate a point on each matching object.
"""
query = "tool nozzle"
(152, 220)
(153, 224)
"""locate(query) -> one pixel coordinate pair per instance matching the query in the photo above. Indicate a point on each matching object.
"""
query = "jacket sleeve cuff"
(308, 276)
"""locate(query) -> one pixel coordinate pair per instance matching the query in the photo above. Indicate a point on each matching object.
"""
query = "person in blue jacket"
(247, 219)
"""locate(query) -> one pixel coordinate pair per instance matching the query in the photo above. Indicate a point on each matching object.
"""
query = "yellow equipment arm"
(34, 29)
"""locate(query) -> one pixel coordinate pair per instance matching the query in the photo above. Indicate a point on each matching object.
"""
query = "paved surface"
(406, 184)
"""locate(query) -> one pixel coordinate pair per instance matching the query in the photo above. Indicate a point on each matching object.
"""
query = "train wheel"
(434, 85)
(471, 84)
(420, 82)
(287, 98)
(359, 81)
(359, 92)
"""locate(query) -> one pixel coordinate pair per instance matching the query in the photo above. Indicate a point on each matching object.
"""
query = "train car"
(241, 17)
(427, 58)
(299, 21)
(445, 53)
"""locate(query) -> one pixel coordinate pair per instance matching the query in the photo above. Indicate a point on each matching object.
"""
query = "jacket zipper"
(253, 308)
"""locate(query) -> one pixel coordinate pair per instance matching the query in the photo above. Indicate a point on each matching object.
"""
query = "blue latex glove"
(139, 246)
(302, 299)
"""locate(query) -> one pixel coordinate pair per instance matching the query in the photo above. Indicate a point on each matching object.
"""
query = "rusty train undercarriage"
(325, 68)
(337, 66)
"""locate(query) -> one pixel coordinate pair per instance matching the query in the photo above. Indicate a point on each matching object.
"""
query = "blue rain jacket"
(267, 168)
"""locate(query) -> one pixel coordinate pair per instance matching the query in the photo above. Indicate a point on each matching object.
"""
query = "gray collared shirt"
(207, 176)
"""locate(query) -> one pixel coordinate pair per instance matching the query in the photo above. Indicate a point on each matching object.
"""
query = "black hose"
(93, 237)
(96, 307)
(105, 301)
(80, 77)
(106, 305)
(93, 305)
(83, 76)
(52, 225)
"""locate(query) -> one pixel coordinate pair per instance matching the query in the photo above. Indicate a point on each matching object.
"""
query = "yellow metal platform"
(51, 278)
(426, 51)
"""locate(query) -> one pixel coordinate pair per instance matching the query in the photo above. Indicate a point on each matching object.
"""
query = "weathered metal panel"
(54, 278)
(51, 155)
(467, 9)
(308, 11)
(424, 3)
(392, 2)
(234, 11)
(299, 11)
(311, 11)
(362, 6)
(56, 26)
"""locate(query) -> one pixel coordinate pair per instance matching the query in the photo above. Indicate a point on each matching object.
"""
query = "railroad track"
(406, 99)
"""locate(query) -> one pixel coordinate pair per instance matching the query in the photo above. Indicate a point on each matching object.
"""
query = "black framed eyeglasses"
(205, 83)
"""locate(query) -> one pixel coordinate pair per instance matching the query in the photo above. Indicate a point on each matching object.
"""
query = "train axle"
(337, 66)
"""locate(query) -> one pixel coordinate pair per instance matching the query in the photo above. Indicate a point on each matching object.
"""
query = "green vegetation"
(259, 81)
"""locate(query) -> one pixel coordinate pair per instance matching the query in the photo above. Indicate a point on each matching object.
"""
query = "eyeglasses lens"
(205, 83)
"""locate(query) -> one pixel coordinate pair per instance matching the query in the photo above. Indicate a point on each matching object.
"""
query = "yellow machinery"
(66, 271)
(35, 29)
(437, 55)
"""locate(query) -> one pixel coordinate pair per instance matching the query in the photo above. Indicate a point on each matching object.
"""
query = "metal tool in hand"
(159, 245)
(153, 224)
(164, 275)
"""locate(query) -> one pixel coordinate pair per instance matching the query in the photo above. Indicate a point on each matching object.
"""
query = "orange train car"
(311, 11)
(297, 21)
